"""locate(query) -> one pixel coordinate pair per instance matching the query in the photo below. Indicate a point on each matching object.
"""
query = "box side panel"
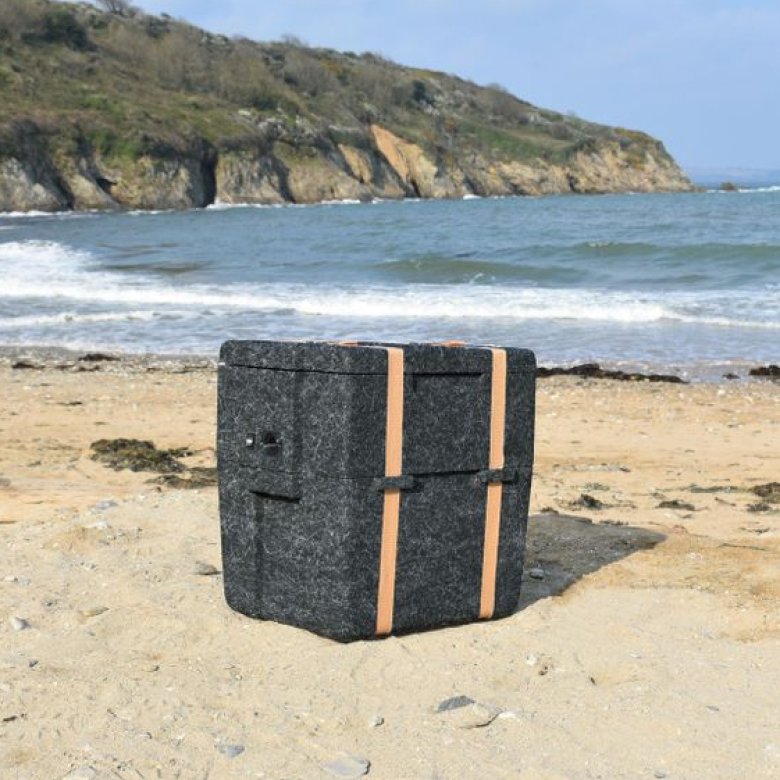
(520, 417)
(439, 552)
(239, 534)
(343, 424)
(511, 549)
(258, 418)
(446, 422)
(303, 548)
(313, 562)
(317, 557)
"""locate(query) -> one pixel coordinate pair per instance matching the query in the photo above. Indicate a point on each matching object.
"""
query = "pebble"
(92, 612)
(348, 766)
(18, 624)
(453, 703)
(465, 713)
(660, 774)
(205, 569)
(772, 751)
(536, 573)
(376, 721)
(231, 751)
(15, 578)
(107, 504)
(100, 525)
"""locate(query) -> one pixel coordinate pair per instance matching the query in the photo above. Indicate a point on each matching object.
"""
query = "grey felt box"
(301, 455)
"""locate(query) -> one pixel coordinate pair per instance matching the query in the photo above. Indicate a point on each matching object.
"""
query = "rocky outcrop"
(96, 112)
(275, 164)
(29, 179)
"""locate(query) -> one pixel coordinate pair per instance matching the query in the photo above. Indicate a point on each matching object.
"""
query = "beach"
(646, 643)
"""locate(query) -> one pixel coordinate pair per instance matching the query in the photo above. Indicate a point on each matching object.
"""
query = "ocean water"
(687, 282)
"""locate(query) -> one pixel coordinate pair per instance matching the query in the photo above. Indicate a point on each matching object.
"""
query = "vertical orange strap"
(494, 489)
(392, 501)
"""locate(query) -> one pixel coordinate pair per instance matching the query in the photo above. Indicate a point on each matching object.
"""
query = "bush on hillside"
(60, 25)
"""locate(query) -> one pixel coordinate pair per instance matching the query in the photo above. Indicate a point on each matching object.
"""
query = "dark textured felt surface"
(301, 438)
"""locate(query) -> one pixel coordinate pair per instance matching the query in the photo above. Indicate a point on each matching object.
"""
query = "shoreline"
(41, 357)
(218, 205)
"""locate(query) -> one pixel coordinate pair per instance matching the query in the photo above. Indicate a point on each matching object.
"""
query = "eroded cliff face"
(38, 171)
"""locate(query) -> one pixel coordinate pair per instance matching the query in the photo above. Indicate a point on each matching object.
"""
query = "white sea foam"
(52, 271)
(78, 318)
(26, 214)
(772, 188)
(745, 190)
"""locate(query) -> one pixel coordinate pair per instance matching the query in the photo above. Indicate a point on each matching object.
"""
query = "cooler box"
(368, 489)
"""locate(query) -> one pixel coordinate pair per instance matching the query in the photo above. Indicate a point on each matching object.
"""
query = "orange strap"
(392, 502)
(494, 489)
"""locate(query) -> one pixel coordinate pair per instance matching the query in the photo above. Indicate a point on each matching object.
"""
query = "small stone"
(91, 612)
(660, 774)
(100, 525)
(103, 505)
(231, 751)
(532, 659)
(507, 715)
(376, 721)
(465, 713)
(536, 573)
(348, 767)
(81, 773)
(17, 579)
(454, 703)
(473, 716)
(205, 569)
(17, 661)
(18, 624)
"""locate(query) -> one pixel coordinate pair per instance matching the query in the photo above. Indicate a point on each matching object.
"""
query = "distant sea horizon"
(749, 178)
(688, 283)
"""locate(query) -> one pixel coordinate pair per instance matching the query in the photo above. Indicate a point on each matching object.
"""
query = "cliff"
(104, 111)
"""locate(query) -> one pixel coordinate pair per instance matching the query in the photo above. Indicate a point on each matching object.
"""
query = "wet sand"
(647, 642)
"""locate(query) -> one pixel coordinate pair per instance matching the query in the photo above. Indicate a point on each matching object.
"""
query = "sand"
(646, 646)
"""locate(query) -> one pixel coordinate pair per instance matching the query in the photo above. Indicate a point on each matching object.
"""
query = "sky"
(701, 75)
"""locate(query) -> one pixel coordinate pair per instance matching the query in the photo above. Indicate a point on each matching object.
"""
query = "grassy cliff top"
(132, 83)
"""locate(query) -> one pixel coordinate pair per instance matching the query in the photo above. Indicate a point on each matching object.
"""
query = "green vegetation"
(123, 80)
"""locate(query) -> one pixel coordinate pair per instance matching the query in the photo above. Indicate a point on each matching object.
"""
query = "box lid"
(367, 357)
(320, 408)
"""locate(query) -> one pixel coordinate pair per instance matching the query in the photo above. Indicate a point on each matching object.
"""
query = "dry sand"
(650, 648)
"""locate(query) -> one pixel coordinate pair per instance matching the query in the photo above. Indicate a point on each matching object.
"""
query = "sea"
(687, 283)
